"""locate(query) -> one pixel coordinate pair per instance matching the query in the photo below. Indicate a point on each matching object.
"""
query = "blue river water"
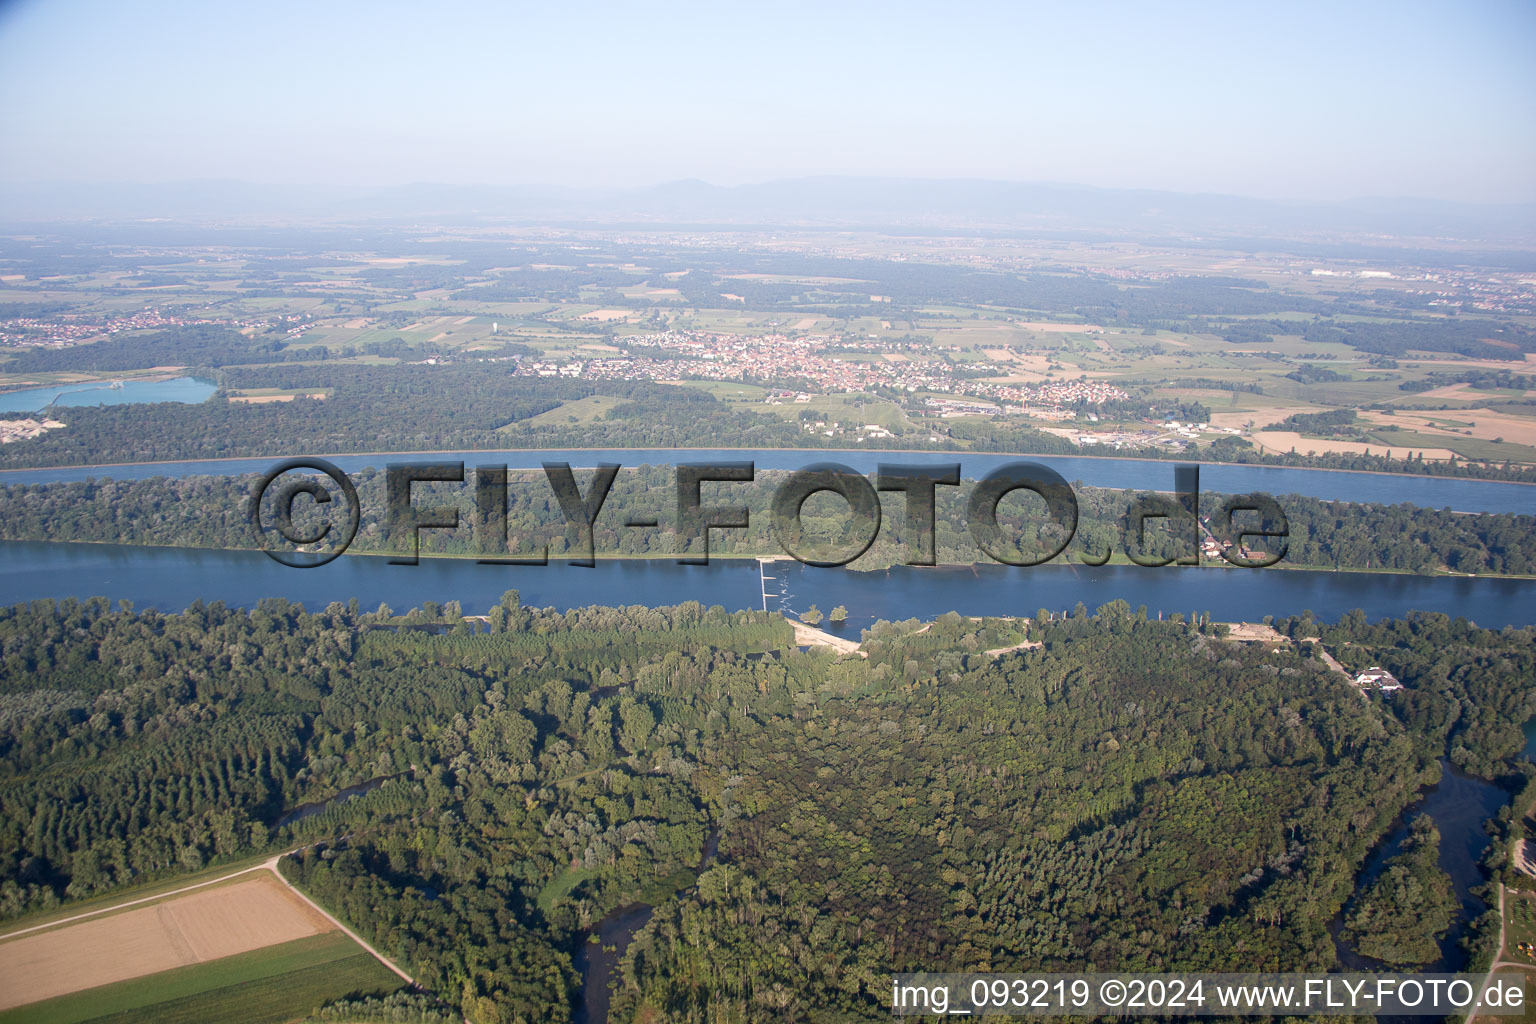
(1140, 474)
(169, 579)
(188, 390)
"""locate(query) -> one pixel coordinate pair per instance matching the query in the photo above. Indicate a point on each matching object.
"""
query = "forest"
(1131, 794)
(211, 512)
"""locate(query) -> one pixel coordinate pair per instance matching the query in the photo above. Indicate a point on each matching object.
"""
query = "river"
(1139, 474)
(170, 579)
(1458, 804)
(597, 961)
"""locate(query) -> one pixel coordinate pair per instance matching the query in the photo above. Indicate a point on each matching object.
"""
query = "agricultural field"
(243, 949)
(266, 986)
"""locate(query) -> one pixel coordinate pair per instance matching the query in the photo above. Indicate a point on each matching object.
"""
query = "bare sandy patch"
(1449, 391)
(605, 314)
(810, 636)
(260, 399)
(190, 929)
(807, 324)
(356, 323)
(264, 399)
(1254, 632)
(462, 320)
(894, 357)
(1282, 441)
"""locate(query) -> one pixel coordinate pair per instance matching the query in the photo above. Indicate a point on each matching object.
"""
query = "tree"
(839, 614)
(636, 723)
(811, 616)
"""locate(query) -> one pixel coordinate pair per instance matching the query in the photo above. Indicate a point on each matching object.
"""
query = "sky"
(1299, 100)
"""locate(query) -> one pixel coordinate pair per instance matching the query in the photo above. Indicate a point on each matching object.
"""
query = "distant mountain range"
(851, 202)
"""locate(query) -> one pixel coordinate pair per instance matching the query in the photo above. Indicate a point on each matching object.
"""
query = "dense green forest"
(1132, 794)
(211, 512)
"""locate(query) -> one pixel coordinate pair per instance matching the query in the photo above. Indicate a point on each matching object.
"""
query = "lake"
(169, 579)
(187, 390)
(1139, 474)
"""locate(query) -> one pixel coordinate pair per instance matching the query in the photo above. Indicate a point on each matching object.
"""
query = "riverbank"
(1117, 558)
(1158, 459)
(171, 579)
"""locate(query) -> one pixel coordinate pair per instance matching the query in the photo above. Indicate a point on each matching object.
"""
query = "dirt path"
(1022, 645)
(1328, 659)
(271, 865)
(1497, 962)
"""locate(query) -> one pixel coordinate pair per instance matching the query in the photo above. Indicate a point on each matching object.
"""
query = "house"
(1378, 677)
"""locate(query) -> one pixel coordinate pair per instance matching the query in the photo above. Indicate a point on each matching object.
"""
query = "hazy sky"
(1292, 100)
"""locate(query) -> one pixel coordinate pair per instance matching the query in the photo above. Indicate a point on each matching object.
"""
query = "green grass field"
(576, 411)
(558, 888)
(266, 986)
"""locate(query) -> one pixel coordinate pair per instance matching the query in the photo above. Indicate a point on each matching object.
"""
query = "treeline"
(1473, 338)
(1480, 380)
(196, 345)
(211, 512)
(1309, 374)
(1317, 422)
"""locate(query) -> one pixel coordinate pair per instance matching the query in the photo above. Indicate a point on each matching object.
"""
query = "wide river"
(169, 579)
(1138, 474)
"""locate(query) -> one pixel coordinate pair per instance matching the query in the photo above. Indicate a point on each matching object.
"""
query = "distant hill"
(867, 202)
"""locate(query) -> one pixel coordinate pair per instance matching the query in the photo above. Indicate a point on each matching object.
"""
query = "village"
(814, 360)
